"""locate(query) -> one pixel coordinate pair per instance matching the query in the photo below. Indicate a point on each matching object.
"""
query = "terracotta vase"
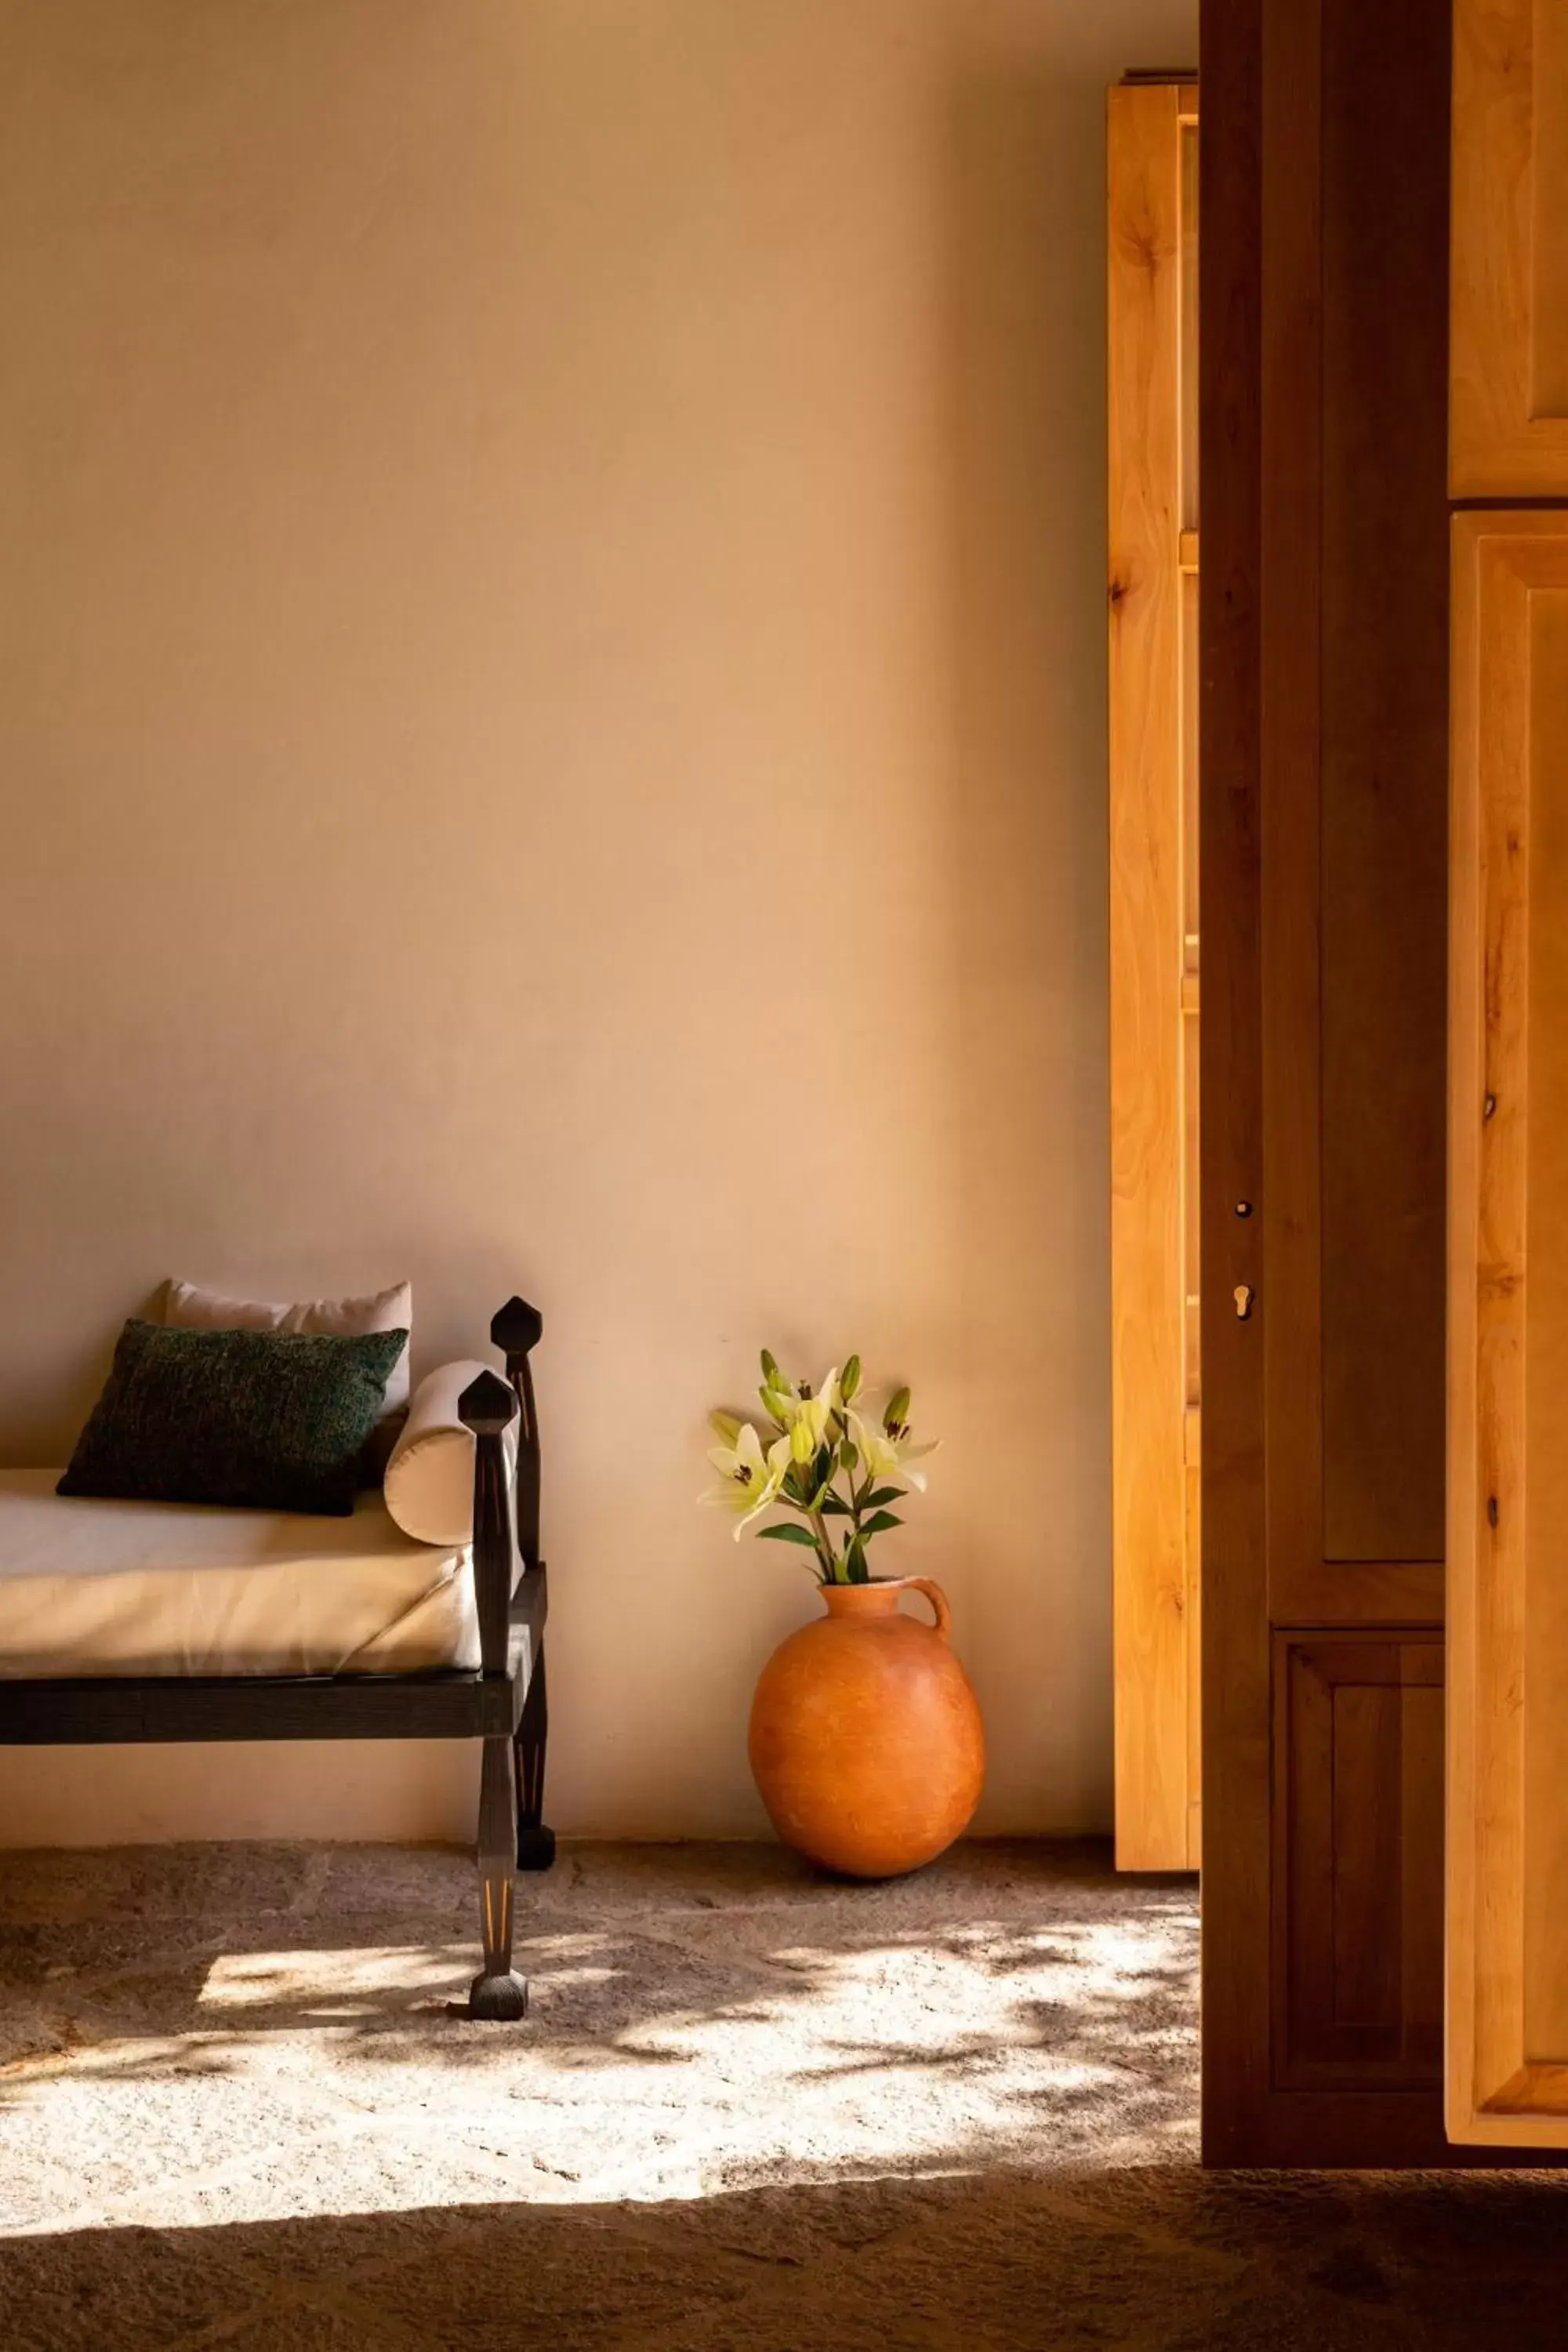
(866, 1739)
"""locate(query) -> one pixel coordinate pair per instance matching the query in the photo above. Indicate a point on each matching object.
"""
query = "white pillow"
(189, 1308)
(429, 1483)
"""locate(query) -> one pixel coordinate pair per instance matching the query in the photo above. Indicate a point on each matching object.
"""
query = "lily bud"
(850, 1380)
(897, 1414)
(726, 1427)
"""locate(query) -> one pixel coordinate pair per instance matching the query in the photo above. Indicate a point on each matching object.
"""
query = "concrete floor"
(750, 2108)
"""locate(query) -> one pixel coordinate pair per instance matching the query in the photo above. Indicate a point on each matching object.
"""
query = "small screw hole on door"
(1242, 1295)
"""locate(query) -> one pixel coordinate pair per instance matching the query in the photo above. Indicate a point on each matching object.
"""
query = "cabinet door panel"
(1506, 2059)
(1509, 354)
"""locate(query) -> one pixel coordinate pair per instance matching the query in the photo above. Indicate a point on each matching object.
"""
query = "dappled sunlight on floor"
(702, 2019)
(750, 2108)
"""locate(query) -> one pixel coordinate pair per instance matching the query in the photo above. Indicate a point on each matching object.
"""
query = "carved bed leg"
(536, 1844)
(498, 1992)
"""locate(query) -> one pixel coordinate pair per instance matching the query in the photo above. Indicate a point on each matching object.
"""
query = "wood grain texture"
(1509, 349)
(1152, 959)
(1322, 750)
(1383, 788)
(1507, 1277)
(1354, 880)
(1290, 655)
(1359, 1846)
(1235, 1658)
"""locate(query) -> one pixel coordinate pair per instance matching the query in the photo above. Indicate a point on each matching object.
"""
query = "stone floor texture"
(750, 2108)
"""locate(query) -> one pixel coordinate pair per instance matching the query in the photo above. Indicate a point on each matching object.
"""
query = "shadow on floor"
(750, 2108)
(1153, 2256)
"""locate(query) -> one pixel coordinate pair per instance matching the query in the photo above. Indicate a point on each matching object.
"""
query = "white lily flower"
(888, 1451)
(805, 1418)
(749, 1480)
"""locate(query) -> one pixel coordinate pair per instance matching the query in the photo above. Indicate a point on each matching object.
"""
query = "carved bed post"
(487, 1406)
(517, 1329)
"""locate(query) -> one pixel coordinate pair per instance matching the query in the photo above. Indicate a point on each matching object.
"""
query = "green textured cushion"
(272, 1420)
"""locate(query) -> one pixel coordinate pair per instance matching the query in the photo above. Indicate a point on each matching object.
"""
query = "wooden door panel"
(1509, 352)
(1326, 464)
(1153, 969)
(1381, 796)
(1507, 1445)
(1383, 785)
(1324, 665)
(1356, 781)
(1359, 1828)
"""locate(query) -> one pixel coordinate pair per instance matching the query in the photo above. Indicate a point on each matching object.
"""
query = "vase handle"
(938, 1599)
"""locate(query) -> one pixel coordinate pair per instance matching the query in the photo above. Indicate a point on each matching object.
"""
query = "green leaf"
(882, 1494)
(786, 1531)
(821, 1468)
(879, 1521)
(834, 1507)
(856, 1570)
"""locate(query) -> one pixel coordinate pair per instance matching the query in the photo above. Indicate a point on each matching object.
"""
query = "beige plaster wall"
(553, 738)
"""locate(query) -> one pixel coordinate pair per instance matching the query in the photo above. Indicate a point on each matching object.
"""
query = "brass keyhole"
(1242, 1295)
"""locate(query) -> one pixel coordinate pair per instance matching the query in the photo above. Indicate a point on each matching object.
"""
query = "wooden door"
(1151, 303)
(1507, 2050)
(1323, 847)
(1508, 1523)
(1510, 349)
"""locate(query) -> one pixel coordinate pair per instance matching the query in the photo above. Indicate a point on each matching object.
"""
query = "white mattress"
(110, 1588)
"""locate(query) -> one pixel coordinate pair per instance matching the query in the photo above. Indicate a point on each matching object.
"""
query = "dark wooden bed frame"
(504, 1704)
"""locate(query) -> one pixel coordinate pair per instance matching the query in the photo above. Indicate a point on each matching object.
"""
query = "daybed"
(171, 1622)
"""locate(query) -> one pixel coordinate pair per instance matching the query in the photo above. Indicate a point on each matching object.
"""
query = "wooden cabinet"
(1508, 1449)
(1508, 357)
(1152, 624)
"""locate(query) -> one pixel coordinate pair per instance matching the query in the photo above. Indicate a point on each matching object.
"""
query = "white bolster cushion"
(429, 1483)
